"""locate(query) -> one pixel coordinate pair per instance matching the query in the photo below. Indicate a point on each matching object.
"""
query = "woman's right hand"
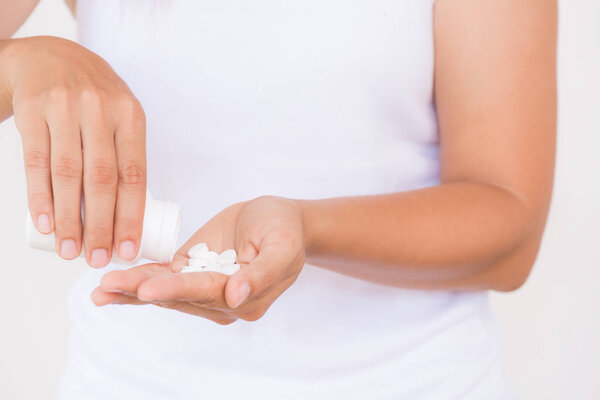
(82, 129)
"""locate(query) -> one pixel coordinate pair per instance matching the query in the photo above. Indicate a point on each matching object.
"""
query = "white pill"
(212, 256)
(230, 269)
(227, 257)
(198, 262)
(212, 269)
(198, 250)
(191, 269)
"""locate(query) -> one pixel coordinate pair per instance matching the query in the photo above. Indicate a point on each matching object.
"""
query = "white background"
(551, 325)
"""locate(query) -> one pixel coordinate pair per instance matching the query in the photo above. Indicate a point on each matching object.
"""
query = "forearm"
(452, 236)
(12, 15)
(5, 90)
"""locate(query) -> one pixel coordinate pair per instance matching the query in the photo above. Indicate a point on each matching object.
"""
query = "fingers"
(256, 307)
(178, 262)
(129, 280)
(36, 154)
(247, 252)
(268, 269)
(102, 298)
(130, 143)
(99, 181)
(66, 173)
(201, 288)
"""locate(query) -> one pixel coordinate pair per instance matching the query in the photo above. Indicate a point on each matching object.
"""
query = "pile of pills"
(204, 260)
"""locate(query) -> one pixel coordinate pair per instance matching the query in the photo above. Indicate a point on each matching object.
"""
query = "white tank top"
(294, 98)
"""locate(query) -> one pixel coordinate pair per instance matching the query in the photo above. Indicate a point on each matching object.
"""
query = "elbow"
(512, 272)
(511, 284)
(512, 269)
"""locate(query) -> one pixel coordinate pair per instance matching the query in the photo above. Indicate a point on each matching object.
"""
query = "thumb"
(255, 278)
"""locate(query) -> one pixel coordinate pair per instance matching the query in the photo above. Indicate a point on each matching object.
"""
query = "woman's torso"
(303, 99)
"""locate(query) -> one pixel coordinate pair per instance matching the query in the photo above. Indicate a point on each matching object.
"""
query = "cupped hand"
(267, 234)
(82, 129)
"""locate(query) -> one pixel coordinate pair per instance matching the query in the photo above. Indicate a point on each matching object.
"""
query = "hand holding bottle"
(83, 131)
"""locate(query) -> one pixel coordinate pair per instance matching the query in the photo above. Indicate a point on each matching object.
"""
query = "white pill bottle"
(159, 237)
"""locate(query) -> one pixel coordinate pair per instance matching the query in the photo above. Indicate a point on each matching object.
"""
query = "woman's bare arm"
(495, 89)
(12, 15)
(5, 96)
(480, 229)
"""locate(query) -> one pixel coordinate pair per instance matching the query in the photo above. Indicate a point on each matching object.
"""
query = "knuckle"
(98, 233)
(125, 222)
(92, 98)
(131, 174)
(38, 197)
(67, 169)
(130, 107)
(61, 95)
(127, 103)
(67, 222)
(127, 226)
(36, 161)
(102, 175)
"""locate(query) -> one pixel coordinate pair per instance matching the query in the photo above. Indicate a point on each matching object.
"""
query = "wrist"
(6, 88)
(309, 227)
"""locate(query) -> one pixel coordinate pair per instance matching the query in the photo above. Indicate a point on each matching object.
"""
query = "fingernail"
(242, 294)
(43, 223)
(127, 250)
(68, 249)
(99, 258)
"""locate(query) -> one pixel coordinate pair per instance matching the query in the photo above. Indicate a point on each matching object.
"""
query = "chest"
(376, 44)
(289, 73)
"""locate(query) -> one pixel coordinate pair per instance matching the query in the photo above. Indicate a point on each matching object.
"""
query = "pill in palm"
(230, 269)
(227, 257)
(204, 260)
(191, 269)
(198, 250)
(198, 262)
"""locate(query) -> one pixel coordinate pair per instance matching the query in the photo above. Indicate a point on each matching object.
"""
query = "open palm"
(267, 234)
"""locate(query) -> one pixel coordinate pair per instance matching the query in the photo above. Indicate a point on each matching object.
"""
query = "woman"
(378, 166)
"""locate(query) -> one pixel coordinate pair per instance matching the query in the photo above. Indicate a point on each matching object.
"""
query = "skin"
(83, 132)
(480, 229)
(13, 14)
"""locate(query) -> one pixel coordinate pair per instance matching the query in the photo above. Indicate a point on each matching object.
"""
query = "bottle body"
(159, 237)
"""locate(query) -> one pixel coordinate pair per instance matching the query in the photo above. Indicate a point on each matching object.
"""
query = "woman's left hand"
(267, 234)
